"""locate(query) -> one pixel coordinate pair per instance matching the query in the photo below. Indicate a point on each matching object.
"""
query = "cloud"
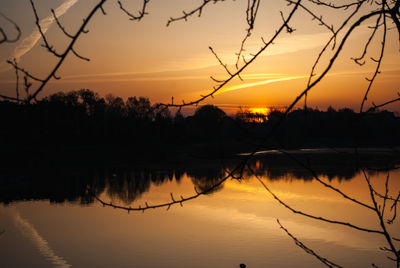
(154, 76)
(264, 82)
(30, 41)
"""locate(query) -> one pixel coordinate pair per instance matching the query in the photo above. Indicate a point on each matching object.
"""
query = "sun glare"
(257, 110)
(256, 114)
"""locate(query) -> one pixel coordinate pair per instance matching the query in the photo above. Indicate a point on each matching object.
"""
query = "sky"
(146, 58)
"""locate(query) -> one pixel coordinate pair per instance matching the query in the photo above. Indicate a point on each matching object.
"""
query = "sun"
(257, 110)
(256, 114)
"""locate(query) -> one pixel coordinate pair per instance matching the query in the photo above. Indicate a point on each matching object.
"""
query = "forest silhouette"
(75, 140)
(150, 131)
(38, 137)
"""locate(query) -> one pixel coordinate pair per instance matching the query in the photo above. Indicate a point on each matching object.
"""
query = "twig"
(3, 36)
(307, 249)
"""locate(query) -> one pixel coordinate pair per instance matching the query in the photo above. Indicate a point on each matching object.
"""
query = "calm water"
(49, 220)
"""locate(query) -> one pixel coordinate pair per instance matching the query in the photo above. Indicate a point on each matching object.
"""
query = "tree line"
(82, 117)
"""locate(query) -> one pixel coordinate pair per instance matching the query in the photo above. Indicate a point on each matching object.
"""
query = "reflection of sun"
(263, 111)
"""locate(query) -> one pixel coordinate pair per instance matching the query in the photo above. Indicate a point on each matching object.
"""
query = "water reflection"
(60, 184)
(29, 231)
(235, 224)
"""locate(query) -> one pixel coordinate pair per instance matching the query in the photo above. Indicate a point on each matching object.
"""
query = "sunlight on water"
(237, 223)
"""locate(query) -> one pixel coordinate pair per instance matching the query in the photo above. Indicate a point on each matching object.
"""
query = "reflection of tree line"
(129, 183)
(340, 166)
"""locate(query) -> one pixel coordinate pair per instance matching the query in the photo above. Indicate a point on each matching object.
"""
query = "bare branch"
(3, 36)
(167, 204)
(379, 62)
(251, 15)
(331, 5)
(376, 107)
(358, 59)
(237, 73)
(327, 185)
(22, 70)
(381, 219)
(46, 45)
(79, 56)
(142, 12)
(394, 209)
(315, 217)
(59, 24)
(307, 249)
(198, 10)
(69, 48)
(331, 39)
(225, 66)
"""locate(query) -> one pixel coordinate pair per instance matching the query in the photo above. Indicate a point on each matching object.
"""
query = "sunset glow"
(148, 59)
(258, 110)
(199, 133)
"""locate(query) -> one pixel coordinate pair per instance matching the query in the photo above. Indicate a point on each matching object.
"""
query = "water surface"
(50, 219)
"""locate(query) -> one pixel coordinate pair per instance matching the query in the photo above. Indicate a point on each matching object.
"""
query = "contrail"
(29, 231)
(269, 81)
(29, 42)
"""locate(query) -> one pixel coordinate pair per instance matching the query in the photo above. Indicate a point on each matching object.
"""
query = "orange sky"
(148, 59)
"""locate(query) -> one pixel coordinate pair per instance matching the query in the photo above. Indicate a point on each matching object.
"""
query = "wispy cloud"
(264, 82)
(162, 74)
(131, 79)
(155, 76)
(30, 41)
(158, 76)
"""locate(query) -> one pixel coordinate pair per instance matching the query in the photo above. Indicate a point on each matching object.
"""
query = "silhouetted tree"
(386, 15)
(139, 108)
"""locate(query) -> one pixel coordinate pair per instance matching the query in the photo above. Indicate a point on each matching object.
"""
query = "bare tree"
(31, 93)
(385, 12)
(386, 17)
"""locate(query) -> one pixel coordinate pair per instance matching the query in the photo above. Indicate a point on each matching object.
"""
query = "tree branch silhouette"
(384, 12)
(70, 48)
(307, 249)
(379, 210)
(251, 15)
(4, 38)
(232, 75)
(142, 12)
(379, 61)
(168, 205)
(296, 211)
(380, 214)
(198, 10)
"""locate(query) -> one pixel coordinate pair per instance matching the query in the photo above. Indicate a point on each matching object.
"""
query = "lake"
(51, 216)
